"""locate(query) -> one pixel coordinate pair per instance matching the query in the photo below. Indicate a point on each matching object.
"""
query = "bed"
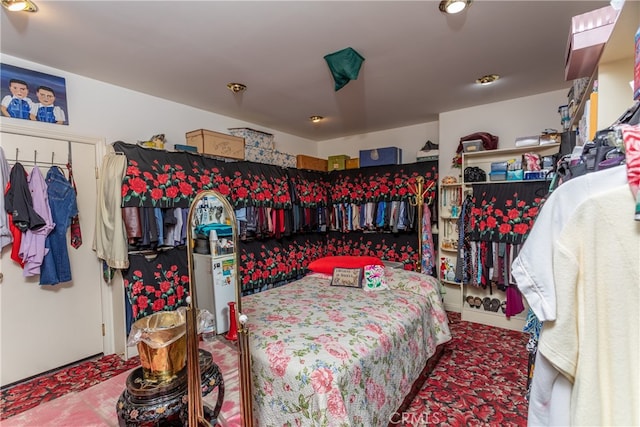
(340, 356)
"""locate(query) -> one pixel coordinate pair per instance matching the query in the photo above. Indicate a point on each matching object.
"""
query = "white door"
(45, 327)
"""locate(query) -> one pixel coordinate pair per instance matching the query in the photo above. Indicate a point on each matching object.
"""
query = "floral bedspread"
(335, 356)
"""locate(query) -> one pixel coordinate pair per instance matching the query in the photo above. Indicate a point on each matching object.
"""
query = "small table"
(144, 402)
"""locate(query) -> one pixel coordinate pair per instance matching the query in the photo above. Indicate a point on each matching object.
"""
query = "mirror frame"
(244, 356)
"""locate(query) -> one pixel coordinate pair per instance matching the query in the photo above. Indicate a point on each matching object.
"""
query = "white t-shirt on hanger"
(550, 396)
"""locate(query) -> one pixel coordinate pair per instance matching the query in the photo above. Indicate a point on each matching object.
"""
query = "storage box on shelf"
(352, 163)
(490, 160)
(284, 160)
(216, 144)
(338, 162)
(258, 154)
(311, 163)
(450, 199)
(381, 156)
(254, 138)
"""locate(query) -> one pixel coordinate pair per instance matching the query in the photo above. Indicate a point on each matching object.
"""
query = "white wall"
(409, 138)
(507, 119)
(114, 113)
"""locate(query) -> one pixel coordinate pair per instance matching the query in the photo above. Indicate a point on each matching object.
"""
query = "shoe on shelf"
(478, 302)
(470, 301)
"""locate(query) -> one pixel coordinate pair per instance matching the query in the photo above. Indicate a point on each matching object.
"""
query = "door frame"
(112, 302)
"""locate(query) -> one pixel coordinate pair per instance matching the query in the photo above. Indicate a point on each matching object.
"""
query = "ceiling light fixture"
(236, 87)
(453, 6)
(488, 79)
(20, 5)
(316, 119)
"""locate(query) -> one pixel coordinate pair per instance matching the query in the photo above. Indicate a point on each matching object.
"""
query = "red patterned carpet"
(479, 381)
(28, 394)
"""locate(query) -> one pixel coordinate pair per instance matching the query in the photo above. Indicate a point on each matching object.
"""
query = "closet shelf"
(449, 282)
(455, 250)
(508, 181)
(543, 150)
(450, 217)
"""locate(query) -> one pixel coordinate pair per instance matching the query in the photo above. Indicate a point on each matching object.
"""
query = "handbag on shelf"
(474, 174)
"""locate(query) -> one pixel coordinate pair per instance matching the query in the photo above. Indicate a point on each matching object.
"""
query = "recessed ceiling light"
(453, 6)
(236, 87)
(20, 5)
(488, 79)
(316, 119)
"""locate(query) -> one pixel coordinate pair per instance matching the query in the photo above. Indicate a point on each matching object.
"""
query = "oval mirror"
(212, 247)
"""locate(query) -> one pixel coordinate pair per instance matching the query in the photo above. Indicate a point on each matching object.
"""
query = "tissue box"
(381, 156)
(338, 163)
(516, 175)
(216, 144)
(254, 138)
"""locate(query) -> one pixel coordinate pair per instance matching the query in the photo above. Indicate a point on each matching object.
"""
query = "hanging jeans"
(62, 200)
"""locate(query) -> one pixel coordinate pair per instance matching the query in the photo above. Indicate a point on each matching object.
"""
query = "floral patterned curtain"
(505, 212)
(373, 184)
(156, 178)
(309, 189)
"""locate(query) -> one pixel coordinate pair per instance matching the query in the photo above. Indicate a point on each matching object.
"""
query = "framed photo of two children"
(31, 95)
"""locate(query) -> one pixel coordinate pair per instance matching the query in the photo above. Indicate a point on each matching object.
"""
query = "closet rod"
(33, 163)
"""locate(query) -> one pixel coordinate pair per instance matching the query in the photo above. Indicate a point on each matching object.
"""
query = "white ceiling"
(418, 61)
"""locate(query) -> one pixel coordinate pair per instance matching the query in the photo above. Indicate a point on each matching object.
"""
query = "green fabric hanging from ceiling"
(344, 65)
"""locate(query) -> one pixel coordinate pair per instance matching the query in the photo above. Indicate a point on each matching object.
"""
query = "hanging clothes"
(63, 204)
(533, 273)
(76, 231)
(597, 302)
(32, 246)
(110, 238)
(5, 234)
(19, 203)
(428, 261)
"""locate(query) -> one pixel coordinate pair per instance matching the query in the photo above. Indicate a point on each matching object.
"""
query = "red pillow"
(327, 264)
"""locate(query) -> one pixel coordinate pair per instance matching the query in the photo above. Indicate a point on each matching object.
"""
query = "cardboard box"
(311, 163)
(254, 138)
(216, 144)
(381, 156)
(338, 163)
(352, 163)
